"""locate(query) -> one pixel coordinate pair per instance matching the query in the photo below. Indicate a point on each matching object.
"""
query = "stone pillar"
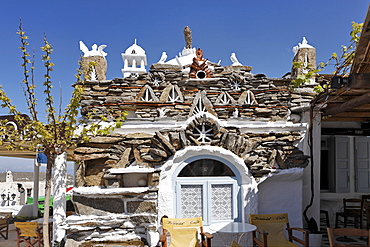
(100, 67)
(306, 54)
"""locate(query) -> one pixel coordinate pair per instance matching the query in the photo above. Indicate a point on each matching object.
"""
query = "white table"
(233, 228)
(236, 227)
(41, 220)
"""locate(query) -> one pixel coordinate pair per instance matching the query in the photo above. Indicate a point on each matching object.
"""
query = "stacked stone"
(110, 98)
(303, 96)
(260, 151)
(274, 151)
(109, 230)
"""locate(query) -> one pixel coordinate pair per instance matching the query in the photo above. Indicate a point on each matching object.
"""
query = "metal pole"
(36, 180)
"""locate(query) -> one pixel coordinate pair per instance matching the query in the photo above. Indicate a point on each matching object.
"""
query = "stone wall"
(260, 151)
(271, 98)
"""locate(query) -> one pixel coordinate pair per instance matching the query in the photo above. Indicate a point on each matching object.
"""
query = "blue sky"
(261, 33)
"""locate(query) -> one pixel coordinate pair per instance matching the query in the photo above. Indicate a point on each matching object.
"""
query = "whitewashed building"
(201, 139)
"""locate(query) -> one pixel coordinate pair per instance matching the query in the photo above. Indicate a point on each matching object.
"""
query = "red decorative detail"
(199, 68)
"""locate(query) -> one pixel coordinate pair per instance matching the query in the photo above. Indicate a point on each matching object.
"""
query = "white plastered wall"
(282, 193)
(314, 210)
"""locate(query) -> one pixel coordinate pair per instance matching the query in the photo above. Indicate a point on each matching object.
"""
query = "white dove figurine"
(163, 58)
(95, 50)
(234, 60)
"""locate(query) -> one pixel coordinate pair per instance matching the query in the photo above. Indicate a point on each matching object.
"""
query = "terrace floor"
(12, 240)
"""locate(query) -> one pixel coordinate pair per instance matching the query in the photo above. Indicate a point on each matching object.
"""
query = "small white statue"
(304, 44)
(236, 113)
(234, 60)
(93, 75)
(95, 50)
(163, 58)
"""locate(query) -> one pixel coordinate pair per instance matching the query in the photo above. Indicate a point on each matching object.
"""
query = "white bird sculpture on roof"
(163, 57)
(95, 50)
(234, 60)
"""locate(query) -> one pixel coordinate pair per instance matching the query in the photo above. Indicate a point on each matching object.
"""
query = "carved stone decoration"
(146, 94)
(156, 78)
(225, 99)
(247, 98)
(201, 104)
(203, 129)
(171, 93)
(199, 68)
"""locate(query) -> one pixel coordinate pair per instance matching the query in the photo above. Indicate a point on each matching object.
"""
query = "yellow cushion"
(274, 225)
(28, 229)
(286, 243)
(183, 231)
(182, 236)
(235, 244)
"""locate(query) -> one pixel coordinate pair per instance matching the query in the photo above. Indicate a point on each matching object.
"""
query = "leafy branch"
(342, 62)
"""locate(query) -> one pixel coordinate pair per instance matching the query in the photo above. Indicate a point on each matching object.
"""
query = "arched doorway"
(209, 188)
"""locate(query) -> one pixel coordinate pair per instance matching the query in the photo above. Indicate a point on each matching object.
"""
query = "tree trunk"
(45, 224)
(59, 195)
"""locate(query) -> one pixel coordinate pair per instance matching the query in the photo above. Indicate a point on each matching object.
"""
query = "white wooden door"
(362, 164)
(342, 164)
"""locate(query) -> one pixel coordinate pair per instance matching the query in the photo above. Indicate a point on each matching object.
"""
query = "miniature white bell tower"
(9, 177)
(134, 61)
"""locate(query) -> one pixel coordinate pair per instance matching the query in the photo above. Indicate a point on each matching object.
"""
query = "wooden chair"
(326, 220)
(275, 225)
(4, 224)
(351, 209)
(365, 203)
(259, 238)
(29, 233)
(333, 234)
(184, 232)
(366, 208)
